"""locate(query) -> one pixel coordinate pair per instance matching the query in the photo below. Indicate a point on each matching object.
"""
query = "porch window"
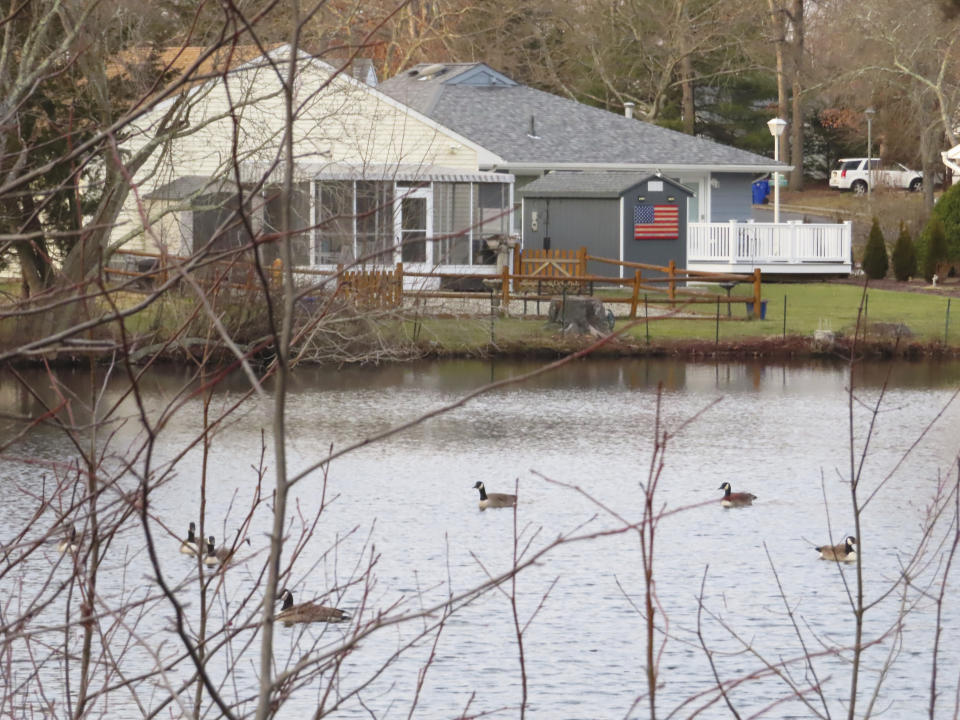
(375, 221)
(492, 219)
(299, 222)
(355, 220)
(334, 200)
(451, 222)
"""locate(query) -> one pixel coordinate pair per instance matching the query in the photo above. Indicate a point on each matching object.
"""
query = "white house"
(375, 181)
(420, 170)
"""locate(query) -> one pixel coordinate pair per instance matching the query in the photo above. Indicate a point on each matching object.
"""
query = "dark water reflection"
(779, 431)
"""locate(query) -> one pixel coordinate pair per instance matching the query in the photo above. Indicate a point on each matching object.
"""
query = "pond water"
(577, 444)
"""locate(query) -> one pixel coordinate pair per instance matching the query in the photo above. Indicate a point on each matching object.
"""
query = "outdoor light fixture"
(777, 126)
(869, 113)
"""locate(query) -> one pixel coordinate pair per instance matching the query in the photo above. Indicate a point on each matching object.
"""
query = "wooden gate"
(553, 263)
(546, 268)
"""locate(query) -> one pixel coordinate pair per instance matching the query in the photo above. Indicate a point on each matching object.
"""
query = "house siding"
(572, 223)
(731, 199)
(342, 123)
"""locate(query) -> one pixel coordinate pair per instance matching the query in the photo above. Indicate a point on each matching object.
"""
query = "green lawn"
(809, 306)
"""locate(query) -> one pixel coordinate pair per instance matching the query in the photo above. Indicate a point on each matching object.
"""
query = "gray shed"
(636, 217)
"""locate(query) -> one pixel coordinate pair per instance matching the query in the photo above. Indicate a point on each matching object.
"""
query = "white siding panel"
(336, 121)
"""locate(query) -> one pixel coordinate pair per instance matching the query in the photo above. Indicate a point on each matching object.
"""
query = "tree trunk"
(778, 21)
(796, 71)
(687, 109)
(686, 84)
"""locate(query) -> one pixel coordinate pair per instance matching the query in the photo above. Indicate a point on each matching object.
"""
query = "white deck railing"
(766, 243)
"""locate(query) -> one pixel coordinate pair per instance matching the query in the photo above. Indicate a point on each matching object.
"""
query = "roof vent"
(413, 73)
(431, 70)
(533, 128)
(628, 109)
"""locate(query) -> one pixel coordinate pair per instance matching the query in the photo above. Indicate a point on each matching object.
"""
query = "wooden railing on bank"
(383, 287)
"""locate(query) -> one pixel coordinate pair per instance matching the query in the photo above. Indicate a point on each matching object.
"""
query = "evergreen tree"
(935, 247)
(904, 256)
(947, 211)
(875, 259)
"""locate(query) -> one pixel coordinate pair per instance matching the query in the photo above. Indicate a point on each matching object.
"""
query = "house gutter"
(540, 168)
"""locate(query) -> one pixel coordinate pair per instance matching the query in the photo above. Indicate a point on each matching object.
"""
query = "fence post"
(946, 324)
(505, 289)
(672, 287)
(756, 293)
(399, 272)
(634, 299)
(516, 267)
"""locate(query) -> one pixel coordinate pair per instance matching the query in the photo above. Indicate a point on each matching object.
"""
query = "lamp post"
(869, 113)
(776, 126)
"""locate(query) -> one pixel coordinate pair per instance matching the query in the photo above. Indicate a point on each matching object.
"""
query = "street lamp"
(776, 126)
(869, 113)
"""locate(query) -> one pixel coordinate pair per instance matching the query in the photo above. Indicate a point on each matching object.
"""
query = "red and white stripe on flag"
(656, 222)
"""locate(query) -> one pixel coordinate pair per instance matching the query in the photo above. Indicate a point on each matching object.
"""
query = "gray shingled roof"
(588, 184)
(567, 132)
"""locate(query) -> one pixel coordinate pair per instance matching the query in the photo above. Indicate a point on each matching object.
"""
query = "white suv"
(852, 174)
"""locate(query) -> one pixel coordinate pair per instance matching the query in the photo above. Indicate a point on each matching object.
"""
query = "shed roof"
(591, 185)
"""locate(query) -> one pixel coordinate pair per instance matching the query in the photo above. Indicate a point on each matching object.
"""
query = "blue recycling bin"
(761, 188)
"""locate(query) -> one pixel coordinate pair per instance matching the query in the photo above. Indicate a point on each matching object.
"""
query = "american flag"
(656, 222)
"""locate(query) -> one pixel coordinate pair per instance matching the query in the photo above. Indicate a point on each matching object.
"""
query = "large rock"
(581, 314)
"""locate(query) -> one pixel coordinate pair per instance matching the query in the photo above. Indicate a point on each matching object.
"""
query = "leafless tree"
(204, 633)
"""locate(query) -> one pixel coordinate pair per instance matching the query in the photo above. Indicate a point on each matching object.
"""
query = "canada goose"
(732, 499)
(844, 552)
(210, 557)
(190, 545)
(494, 500)
(69, 544)
(225, 554)
(306, 612)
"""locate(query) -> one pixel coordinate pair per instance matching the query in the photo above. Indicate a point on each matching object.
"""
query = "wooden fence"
(371, 289)
(384, 288)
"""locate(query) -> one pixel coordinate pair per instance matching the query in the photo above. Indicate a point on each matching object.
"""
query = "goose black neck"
(726, 493)
(287, 601)
(190, 536)
(483, 492)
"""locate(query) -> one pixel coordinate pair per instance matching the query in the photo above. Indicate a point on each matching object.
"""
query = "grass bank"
(893, 323)
(914, 322)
